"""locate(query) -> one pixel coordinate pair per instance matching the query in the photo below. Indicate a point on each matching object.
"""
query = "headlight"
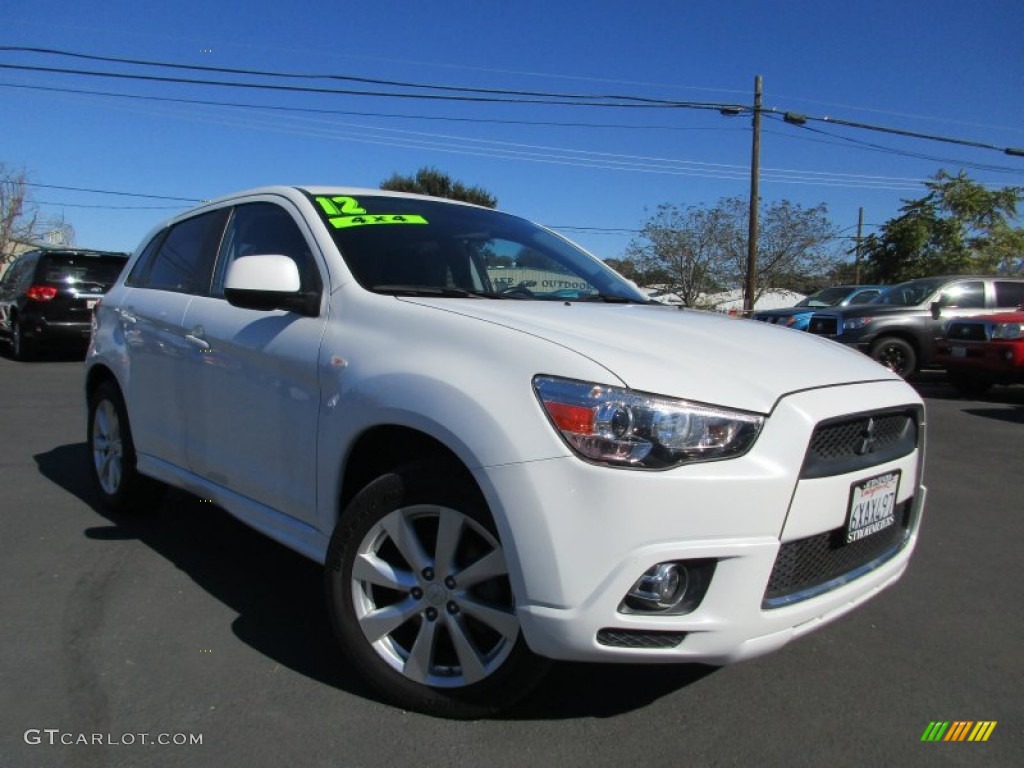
(1006, 331)
(620, 427)
(856, 323)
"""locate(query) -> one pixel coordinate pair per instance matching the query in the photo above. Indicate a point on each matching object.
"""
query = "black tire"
(21, 348)
(967, 384)
(418, 661)
(895, 354)
(112, 454)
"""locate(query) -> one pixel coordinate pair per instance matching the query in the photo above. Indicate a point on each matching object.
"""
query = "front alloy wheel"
(420, 596)
(430, 592)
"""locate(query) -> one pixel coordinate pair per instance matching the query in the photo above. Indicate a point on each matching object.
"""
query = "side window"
(23, 278)
(12, 275)
(184, 260)
(262, 229)
(1009, 294)
(142, 264)
(968, 295)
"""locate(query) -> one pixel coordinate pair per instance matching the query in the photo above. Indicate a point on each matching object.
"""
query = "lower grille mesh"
(804, 564)
(639, 638)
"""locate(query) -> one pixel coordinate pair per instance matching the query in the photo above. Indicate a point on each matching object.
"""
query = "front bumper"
(579, 536)
(1002, 360)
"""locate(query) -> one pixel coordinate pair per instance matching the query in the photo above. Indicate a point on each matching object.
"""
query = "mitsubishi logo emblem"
(867, 439)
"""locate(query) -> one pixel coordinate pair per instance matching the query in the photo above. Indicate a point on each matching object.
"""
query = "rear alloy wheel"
(112, 453)
(895, 354)
(419, 595)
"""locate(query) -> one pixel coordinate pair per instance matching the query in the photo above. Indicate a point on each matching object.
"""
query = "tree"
(959, 227)
(700, 249)
(430, 181)
(795, 245)
(680, 250)
(20, 222)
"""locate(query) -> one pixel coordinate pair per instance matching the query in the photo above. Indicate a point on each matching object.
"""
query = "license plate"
(958, 351)
(90, 303)
(872, 506)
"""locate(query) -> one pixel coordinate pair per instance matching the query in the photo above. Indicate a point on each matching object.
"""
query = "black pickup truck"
(900, 327)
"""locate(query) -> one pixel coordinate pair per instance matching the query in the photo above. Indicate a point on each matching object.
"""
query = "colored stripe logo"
(959, 730)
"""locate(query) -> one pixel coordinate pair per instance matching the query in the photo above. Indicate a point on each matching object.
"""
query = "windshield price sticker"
(341, 222)
(344, 212)
(872, 506)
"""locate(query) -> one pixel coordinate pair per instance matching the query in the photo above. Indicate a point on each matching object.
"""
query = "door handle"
(195, 337)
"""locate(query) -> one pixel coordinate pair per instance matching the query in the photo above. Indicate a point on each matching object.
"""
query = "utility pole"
(749, 290)
(856, 261)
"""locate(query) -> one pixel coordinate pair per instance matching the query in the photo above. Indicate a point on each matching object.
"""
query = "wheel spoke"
(449, 531)
(418, 665)
(504, 623)
(487, 567)
(404, 537)
(469, 657)
(369, 568)
(383, 621)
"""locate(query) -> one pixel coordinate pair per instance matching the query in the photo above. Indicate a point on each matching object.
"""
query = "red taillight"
(41, 292)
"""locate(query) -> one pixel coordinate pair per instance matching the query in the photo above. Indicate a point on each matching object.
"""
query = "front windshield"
(411, 246)
(909, 294)
(826, 297)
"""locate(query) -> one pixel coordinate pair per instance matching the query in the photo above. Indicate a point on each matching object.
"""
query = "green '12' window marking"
(356, 215)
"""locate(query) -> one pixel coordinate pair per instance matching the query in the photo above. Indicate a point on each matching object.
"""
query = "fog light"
(661, 588)
(671, 588)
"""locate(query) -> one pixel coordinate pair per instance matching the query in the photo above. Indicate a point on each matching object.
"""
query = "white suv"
(500, 451)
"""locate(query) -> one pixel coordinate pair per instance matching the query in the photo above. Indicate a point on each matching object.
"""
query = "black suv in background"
(47, 296)
(899, 328)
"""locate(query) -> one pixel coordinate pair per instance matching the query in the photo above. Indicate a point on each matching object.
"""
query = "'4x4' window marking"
(345, 212)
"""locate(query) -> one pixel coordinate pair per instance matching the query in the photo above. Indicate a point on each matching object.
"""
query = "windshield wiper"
(610, 299)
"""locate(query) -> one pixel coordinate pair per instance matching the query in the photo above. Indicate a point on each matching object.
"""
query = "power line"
(111, 192)
(312, 110)
(481, 95)
(867, 145)
(800, 119)
(324, 76)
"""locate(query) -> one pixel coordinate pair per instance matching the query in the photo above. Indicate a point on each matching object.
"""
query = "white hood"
(700, 356)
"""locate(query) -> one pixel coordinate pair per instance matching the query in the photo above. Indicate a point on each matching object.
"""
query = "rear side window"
(969, 295)
(184, 260)
(19, 274)
(1009, 294)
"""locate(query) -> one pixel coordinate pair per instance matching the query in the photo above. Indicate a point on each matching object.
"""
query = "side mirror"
(266, 282)
(936, 309)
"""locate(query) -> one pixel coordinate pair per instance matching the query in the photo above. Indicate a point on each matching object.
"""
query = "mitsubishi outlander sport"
(499, 450)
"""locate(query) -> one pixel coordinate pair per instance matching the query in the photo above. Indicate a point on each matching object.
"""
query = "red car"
(978, 352)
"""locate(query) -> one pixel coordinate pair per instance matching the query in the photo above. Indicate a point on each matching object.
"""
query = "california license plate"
(872, 506)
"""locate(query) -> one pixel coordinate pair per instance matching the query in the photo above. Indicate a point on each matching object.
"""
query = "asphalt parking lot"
(183, 623)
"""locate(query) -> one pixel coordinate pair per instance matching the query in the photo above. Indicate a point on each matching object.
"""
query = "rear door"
(174, 268)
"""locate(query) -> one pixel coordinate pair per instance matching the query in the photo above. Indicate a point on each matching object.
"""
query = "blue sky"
(940, 67)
